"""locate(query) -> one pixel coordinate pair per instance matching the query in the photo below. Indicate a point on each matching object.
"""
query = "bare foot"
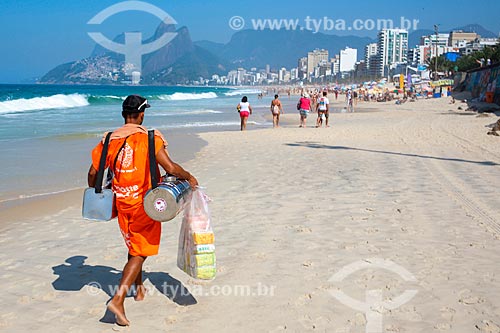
(140, 293)
(119, 312)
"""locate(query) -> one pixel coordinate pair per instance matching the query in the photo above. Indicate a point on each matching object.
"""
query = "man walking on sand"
(128, 159)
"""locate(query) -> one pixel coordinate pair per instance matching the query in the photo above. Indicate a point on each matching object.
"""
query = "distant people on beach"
(245, 111)
(323, 106)
(304, 106)
(276, 110)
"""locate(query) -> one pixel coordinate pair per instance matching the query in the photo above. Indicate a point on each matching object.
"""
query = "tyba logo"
(373, 305)
(133, 49)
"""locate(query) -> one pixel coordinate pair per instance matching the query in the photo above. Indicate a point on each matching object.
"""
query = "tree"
(443, 64)
(473, 60)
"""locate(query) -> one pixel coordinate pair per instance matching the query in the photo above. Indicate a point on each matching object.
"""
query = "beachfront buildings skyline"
(390, 55)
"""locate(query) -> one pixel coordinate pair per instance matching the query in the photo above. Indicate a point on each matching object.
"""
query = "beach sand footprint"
(300, 229)
(488, 326)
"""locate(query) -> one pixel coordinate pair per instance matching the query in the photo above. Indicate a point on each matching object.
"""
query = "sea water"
(48, 131)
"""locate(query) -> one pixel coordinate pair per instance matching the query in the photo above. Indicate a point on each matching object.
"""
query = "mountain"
(213, 47)
(191, 66)
(280, 48)
(179, 61)
(479, 29)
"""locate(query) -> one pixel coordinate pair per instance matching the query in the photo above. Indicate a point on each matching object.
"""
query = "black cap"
(135, 104)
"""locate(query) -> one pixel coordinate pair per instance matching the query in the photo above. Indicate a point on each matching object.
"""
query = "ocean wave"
(209, 124)
(98, 99)
(187, 96)
(58, 101)
(243, 92)
(184, 113)
(201, 124)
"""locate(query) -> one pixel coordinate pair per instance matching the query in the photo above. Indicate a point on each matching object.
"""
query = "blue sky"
(41, 34)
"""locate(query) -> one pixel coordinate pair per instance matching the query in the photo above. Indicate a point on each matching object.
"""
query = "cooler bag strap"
(118, 154)
(152, 159)
(102, 164)
(112, 172)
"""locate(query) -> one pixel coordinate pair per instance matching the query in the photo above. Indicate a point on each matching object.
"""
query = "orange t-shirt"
(132, 178)
(130, 183)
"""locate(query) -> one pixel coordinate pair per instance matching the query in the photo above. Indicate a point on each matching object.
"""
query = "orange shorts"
(141, 233)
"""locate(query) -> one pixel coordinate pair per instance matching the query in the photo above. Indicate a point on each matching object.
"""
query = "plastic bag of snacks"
(196, 252)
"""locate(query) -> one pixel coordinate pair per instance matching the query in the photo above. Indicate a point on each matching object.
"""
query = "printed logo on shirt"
(126, 156)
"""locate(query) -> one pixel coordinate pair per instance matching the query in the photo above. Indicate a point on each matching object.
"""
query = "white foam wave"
(113, 97)
(31, 196)
(58, 101)
(204, 124)
(187, 96)
(204, 112)
(197, 112)
(211, 124)
(242, 92)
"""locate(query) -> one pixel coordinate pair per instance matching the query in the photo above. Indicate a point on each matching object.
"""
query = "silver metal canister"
(167, 200)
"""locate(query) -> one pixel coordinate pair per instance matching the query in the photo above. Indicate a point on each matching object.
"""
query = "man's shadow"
(74, 274)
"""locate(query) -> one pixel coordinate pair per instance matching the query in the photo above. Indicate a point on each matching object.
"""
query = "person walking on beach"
(304, 106)
(128, 159)
(349, 101)
(245, 111)
(323, 108)
(276, 110)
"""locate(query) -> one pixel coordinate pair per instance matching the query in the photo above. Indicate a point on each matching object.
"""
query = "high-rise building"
(283, 75)
(371, 53)
(460, 38)
(136, 77)
(371, 50)
(440, 40)
(392, 49)
(335, 65)
(348, 58)
(314, 58)
(302, 68)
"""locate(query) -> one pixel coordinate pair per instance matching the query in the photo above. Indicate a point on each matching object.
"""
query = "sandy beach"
(299, 214)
